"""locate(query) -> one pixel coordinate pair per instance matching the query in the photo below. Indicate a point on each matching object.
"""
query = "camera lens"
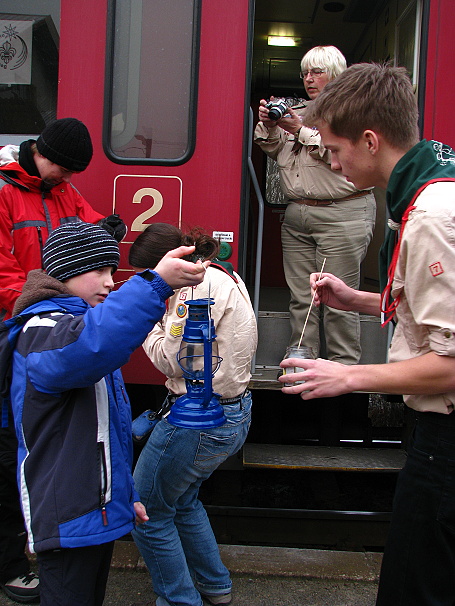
(276, 110)
(275, 113)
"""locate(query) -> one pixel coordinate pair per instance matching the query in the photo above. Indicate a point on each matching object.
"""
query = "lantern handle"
(207, 364)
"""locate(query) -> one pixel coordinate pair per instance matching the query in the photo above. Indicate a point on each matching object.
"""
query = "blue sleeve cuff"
(162, 288)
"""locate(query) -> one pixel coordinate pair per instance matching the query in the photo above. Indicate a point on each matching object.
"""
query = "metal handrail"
(260, 228)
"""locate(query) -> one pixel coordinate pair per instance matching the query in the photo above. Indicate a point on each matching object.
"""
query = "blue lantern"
(198, 357)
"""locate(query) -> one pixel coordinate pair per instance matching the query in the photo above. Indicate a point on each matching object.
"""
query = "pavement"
(262, 576)
(276, 561)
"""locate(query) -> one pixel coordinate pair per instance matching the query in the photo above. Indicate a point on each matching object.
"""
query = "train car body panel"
(204, 190)
(234, 68)
(440, 89)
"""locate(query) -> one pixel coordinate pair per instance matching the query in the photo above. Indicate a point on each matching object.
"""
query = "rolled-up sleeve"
(425, 274)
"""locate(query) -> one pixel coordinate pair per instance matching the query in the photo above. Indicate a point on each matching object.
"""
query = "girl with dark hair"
(158, 239)
(177, 542)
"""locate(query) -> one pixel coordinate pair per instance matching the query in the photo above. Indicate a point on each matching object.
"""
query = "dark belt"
(327, 202)
(223, 401)
(435, 418)
(235, 400)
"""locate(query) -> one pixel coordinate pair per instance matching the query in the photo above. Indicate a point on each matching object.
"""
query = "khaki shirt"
(307, 172)
(425, 280)
(235, 328)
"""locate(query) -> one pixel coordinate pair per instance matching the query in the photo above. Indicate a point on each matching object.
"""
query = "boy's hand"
(322, 378)
(177, 272)
(141, 513)
(330, 290)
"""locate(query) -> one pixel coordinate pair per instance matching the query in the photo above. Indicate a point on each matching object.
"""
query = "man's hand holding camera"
(290, 122)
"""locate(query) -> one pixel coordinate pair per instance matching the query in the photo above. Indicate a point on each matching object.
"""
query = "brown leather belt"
(314, 202)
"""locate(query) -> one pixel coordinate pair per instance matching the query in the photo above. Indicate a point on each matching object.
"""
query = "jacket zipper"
(103, 486)
(40, 241)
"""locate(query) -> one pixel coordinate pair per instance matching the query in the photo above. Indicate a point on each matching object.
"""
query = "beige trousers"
(341, 233)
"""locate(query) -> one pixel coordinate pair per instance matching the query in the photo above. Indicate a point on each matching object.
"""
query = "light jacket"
(27, 215)
(71, 412)
(424, 280)
(235, 328)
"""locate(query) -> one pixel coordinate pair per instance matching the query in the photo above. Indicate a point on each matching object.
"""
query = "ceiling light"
(281, 41)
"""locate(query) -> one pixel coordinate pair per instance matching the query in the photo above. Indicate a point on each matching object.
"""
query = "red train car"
(147, 79)
(169, 92)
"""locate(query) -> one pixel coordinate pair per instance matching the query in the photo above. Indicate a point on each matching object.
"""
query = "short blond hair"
(369, 96)
(328, 58)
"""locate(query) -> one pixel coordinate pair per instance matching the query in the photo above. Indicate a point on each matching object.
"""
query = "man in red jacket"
(35, 198)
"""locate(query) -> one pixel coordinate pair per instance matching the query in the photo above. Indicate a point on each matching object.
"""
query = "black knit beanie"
(66, 142)
(76, 248)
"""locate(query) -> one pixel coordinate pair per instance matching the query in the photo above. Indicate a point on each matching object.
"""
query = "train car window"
(152, 81)
(29, 42)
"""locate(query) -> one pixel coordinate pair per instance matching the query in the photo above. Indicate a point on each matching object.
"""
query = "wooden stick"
(311, 304)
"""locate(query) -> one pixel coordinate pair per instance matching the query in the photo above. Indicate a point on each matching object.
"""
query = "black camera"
(277, 109)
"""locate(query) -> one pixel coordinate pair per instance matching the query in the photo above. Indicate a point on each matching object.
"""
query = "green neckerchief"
(224, 266)
(425, 161)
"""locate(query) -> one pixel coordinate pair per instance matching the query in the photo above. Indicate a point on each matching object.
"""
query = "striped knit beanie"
(76, 248)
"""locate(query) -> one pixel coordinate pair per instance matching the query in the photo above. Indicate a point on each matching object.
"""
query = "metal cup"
(294, 351)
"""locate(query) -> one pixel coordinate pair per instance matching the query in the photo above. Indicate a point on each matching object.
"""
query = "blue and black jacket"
(72, 415)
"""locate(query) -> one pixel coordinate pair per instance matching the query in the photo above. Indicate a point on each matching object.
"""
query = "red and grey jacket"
(27, 216)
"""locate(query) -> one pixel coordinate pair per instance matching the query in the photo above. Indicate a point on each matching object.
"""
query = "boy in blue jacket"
(71, 412)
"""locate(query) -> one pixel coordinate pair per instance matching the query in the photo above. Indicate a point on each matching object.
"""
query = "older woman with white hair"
(326, 216)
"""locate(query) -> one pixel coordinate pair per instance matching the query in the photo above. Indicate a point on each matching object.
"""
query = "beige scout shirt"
(235, 328)
(307, 173)
(425, 279)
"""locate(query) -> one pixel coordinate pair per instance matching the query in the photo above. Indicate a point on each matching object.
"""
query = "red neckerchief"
(224, 270)
(388, 310)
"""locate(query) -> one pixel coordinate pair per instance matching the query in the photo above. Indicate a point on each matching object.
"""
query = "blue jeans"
(177, 543)
(418, 568)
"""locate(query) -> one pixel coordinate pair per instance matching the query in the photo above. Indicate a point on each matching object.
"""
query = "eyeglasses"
(314, 73)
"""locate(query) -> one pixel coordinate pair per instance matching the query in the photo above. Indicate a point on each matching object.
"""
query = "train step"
(266, 377)
(323, 458)
(274, 333)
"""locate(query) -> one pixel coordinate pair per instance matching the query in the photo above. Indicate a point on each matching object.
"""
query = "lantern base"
(192, 413)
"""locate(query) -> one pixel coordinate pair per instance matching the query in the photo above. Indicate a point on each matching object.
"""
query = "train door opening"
(306, 456)
(382, 31)
(379, 30)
